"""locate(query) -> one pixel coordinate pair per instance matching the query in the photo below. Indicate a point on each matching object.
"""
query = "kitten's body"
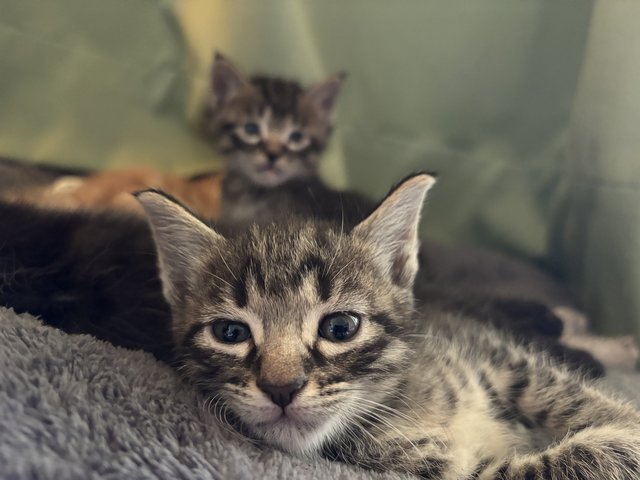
(244, 203)
(445, 398)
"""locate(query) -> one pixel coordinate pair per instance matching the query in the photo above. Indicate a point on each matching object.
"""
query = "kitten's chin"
(295, 437)
(269, 177)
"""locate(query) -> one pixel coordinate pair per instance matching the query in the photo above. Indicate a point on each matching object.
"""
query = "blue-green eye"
(295, 137)
(251, 128)
(229, 331)
(339, 327)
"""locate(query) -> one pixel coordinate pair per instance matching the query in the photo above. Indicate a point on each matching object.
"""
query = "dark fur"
(85, 273)
(15, 174)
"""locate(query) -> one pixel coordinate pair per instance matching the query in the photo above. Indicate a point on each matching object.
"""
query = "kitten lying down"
(306, 337)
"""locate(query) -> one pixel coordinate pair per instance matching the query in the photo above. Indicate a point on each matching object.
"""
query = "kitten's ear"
(392, 229)
(324, 96)
(182, 241)
(226, 80)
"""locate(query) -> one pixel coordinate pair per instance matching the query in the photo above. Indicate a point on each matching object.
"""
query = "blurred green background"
(528, 110)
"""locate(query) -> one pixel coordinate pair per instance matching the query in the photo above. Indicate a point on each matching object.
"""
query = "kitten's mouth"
(269, 175)
(291, 418)
(269, 168)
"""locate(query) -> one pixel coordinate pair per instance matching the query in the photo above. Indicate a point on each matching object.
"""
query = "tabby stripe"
(501, 473)
(482, 466)
(390, 327)
(531, 473)
(324, 281)
(546, 466)
(434, 468)
(521, 380)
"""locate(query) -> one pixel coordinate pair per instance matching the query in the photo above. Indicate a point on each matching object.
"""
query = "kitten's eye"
(251, 128)
(228, 331)
(339, 327)
(295, 137)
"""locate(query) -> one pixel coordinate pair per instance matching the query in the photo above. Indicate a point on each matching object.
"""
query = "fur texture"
(402, 393)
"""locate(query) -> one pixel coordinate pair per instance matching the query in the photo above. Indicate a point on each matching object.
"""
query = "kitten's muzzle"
(282, 395)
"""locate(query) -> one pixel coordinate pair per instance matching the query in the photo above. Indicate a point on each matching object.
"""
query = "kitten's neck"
(237, 183)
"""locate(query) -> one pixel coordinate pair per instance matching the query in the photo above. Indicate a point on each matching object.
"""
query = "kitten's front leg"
(385, 447)
(597, 437)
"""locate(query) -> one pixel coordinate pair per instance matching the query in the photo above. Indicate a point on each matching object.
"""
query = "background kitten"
(270, 130)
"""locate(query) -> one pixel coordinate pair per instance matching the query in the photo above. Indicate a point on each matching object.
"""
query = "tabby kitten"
(271, 133)
(306, 337)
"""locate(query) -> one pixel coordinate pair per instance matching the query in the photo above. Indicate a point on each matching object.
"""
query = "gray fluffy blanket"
(72, 407)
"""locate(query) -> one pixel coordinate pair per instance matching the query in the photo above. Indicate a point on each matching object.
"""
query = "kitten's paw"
(613, 454)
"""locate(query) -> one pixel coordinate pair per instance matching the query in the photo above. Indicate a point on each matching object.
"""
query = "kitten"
(269, 176)
(271, 132)
(308, 338)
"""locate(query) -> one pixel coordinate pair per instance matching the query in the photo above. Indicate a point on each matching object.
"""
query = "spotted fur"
(443, 399)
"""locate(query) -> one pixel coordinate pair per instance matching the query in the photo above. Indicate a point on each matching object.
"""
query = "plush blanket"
(72, 407)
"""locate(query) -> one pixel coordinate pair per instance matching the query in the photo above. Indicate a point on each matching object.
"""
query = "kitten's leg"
(597, 437)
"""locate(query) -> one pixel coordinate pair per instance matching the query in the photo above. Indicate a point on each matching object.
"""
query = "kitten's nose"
(282, 395)
(272, 157)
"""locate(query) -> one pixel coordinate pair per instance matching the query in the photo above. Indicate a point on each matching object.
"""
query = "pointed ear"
(183, 243)
(392, 229)
(323, 97)
(226, 80)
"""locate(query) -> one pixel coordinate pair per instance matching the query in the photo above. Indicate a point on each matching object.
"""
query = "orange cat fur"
(111, 189)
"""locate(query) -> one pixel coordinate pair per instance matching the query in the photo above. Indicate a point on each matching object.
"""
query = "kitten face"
(292, 332)
(269, 130)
